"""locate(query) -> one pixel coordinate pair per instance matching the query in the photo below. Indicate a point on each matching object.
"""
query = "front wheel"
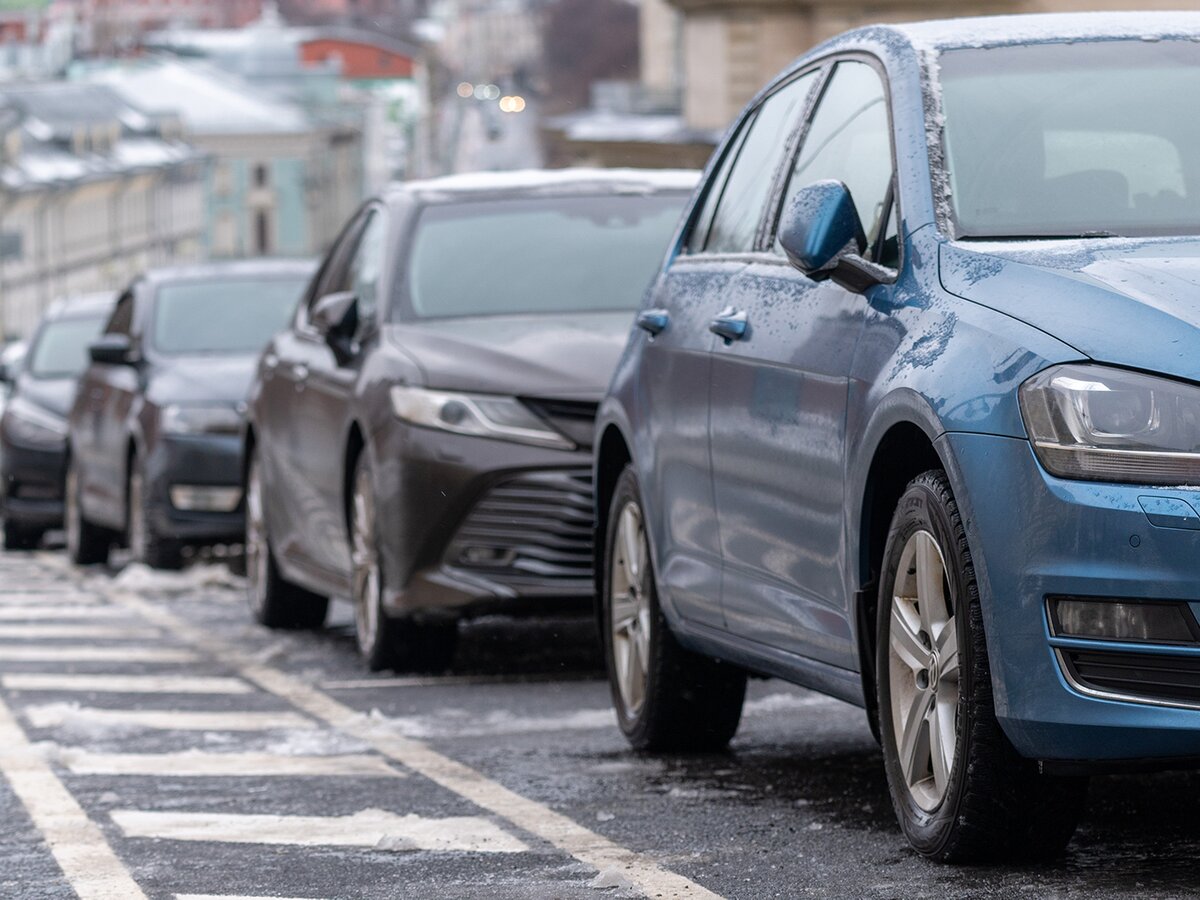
(86, 543)
(666, 697)
(146, 544)
(959, 788)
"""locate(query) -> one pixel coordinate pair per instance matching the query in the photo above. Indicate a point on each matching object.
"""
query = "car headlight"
(30, 424)
(201, 420)
(1103, 424)
(484, 415)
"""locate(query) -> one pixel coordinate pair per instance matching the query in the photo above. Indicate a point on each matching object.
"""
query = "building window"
(262, 233)
(260, 175)
(10, 245)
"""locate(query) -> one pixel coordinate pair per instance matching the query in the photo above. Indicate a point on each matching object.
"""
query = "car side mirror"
(335, 316)
(112, 350)
(823, 237)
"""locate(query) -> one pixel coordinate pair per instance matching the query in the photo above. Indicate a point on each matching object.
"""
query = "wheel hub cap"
(629, 606)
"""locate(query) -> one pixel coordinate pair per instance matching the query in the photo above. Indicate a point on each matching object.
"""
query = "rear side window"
(744, 196)
(60, 350)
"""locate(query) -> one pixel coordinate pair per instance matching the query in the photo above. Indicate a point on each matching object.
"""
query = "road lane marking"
(38, 599)
(69, 653)
(82, 632)
(87, 861)
(368, 828)
(54, 715)
(535, 818)
(198, 764)
(48, 613)
(125, 684)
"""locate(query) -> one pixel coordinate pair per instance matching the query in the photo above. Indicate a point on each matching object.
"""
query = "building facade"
(92, 191)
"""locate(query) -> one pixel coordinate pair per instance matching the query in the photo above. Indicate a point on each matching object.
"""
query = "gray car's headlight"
(1104, 424)
(483, 415)
(30, 424)
(201, 420)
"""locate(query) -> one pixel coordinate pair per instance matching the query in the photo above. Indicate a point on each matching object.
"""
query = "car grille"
(574, 418)
(1137, 676)
(536, 526)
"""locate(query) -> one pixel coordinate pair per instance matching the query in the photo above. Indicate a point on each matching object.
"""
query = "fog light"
(1153, 621)
(201, 498)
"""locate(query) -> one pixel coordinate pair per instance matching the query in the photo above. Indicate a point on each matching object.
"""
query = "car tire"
(274, 601)
(387, 642)
(959, 788)
(145, 543)
(21, 537)
(87, 543)
(667, 698)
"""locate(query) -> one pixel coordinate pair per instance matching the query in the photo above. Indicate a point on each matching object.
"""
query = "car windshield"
(60, 349)
(222, 316)
(1073, 139)
(504, 257)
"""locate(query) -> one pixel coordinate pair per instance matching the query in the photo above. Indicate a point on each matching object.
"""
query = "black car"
(33, 428)
(154, 455)
(419, 438)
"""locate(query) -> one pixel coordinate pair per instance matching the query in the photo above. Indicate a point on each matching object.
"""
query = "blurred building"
(283, 182)
(114, 27)
(491, 40)
(37, 38)
(92, 191)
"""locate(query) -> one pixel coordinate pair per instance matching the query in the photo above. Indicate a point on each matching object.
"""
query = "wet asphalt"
(797, 807)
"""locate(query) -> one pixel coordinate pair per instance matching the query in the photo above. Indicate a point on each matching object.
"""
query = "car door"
(676, 358)
(325, 383)
(779, 394)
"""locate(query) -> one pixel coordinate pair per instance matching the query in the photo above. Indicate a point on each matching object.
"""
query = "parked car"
(33, 427)
(419, 438)
(154, 436)
(11, 356)
(912, 418)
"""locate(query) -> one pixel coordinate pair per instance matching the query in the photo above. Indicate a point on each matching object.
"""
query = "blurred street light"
(465, 89)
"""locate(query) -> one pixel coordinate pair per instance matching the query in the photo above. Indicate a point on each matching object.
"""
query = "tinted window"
(1073, 139)
(60, 349)
(366, 267)
(501, 257)
(234, 316)
(744, 197)
(716, 184)
(849, 141)
(121, 321)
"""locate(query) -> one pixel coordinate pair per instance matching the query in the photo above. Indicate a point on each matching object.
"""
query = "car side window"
(121, 320)
(744, 196)
(334, 274)
(366, 267)
(849, 140)
(703, 222)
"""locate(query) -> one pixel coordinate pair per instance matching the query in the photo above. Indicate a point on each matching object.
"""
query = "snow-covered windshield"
(1073, 139)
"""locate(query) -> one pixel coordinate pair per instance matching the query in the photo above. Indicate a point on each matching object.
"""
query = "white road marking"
(369, 828)
(116, 653)
(535, 818)
(54, 715)
(47, 613)
(198, 764)
(82, 632)
(126, 684)
(40, 598)
(88, 862)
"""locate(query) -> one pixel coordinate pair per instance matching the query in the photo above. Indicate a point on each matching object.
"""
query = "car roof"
(548, 182)
(99, 303)
(992, 31)
(247, 268)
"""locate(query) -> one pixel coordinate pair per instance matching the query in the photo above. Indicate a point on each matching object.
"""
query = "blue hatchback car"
(912, 417)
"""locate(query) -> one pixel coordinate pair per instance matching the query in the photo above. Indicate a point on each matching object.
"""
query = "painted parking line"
(370, 828)
(56, 715)
(78, 653)
(88, 862)
(554, 828)
(67, 631)
(49, 613)
(126, 684)
(198, 764)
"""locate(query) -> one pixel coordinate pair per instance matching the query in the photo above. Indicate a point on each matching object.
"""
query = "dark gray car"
(419, 439)
(154, 446)
(33, 428)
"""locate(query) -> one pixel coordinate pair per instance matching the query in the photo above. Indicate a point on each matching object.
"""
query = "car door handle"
(653, 321)
(729, 324)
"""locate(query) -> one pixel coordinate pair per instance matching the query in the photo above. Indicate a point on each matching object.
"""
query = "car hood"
(554, 355)
(1128, 302)
(55, 395)
(201, 379)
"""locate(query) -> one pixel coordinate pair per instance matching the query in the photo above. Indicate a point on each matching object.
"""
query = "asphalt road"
(154, 741)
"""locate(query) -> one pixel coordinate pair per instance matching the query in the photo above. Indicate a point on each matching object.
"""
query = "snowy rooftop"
(997, 30)
(536, 179)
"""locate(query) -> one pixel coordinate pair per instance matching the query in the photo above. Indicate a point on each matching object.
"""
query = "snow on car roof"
(987, 31)
(535, 179)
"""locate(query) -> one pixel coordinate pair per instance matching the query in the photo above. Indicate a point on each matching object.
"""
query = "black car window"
(121, 320)
(849, 140)
(744, 197)
(60, 348)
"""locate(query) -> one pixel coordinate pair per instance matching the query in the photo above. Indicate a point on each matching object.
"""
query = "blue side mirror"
(820, 227)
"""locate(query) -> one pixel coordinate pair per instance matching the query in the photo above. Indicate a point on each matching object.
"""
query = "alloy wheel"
(629, 609)
(257, 552)
(923, 671)
(364, 557)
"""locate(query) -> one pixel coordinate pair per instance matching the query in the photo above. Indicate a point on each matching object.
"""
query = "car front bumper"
(470, 526)
(1034, 536)
(33, 477)
(194, 463)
